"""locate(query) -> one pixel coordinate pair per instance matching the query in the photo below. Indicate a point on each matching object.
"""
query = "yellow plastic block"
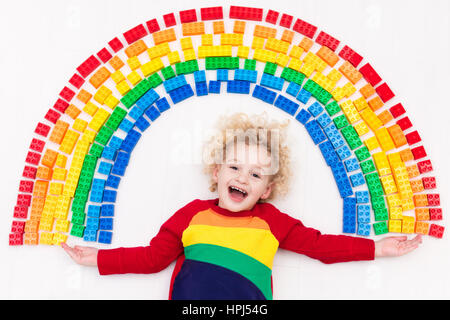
(214, 51)
(117, 76)
(186, 43)
(296, 52)
(382, 164)
(207, 39)
(134, 78)
(350, 111)
(408, 225)
(422, 227)
(46, 238)
(46, 224)
(232, 39)
(189, 54)
(388, 184)
(338, 94)
(79, 125)
(48, 210)
(319, 64)
(264, 55)
(277, 45)
(307, 69)
(408, 204)
(61, 160)
(101, 94)
(385, 139)
(89, 135)
(258, 43)
(99, 119)
(394, 159)
(295, 64)
(361, 128)
(59, 174)
(133, 63)
(243, 52)
(371, 143)
(334, 75)
(152, 67)
(371, 119)
(58, 238)
(62, 225)
(349, 89)
(123, 87)
(62, 207)
(395, 226)
(395, 213)
(69, 141)
(111, 101)
(55, 188)
(159, 50)
(282, 60)
(360, 103)
(174, 57)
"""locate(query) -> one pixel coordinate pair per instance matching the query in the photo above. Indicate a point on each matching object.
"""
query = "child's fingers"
(73, 253)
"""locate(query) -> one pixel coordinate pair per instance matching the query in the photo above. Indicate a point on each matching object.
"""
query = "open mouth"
(237, 194)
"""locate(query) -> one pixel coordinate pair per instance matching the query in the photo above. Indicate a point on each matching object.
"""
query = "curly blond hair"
(248, 128)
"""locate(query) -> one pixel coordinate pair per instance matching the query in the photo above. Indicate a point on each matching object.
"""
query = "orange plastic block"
(116, 63)
(350, 72)
(287, 35)
(31, 226)
(422, 227)
(406, 155)
(239, 26)
(264, 32)
(31, 238)
(306, 43)
(367, 90)
(49, 158)
(84, 96)
(37, 204)
(40, 189)
(218, 27)
(58, 132)
(327, 55)
(44, 173)
(166, 35)
(422, 214)
(413, 171)
(192, 29)
(99, 77)
(375, 103)
(385, 116)
(420, 200)
(72, 111)
(396, 133)
(417, 185)
(137, 48)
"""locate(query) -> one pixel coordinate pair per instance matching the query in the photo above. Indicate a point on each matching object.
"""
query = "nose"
(242, 177)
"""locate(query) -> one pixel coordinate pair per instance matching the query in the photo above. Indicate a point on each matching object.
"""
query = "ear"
(216, 173)
(268, 191)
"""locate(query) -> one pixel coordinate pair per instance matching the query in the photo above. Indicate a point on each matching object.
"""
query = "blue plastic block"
(264, 94)
(142, 124)
(112, 181)
(334, 136)
(93, 211)
(104, 167)
(245, 75)
(351, 164)
(214, 86)
(303, 96)
(105, 237)
(136, 112)
(293, 89)
(357, 179)
(130, 141)
(148, 98)
(324, 120)
(362, 196)
(344, 152)
(201, 89)
(92, 223)
(109, 195)
(115, 142)
(152, 113)
(315, 131)
(238, 86)
(363, 211)
(162, 104)
(106, 224)
(90, 235)
(363, 229)
(329, 153)
(342, 180)
(270, 81)
(174, 83)
(222, 74)
(98, 186)
(315, 109)
(200, 76)
(349, 215)
(109, 153)
(126, 125)
(181, 93)
(107, 210)
(303, 116)
(286, 105)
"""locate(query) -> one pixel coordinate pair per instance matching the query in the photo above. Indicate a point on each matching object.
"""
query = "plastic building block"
(342, 181)
(315, 109)
(334, 136)
(293, 89)
(272, 16)
(380, 228)
(109, 195)
(304, 28)
(435, 213)
(169, 20)
(436, 231)
(397, 110)
(363, 229)
(324, 120)
(433, 200)
(107, 210)
(42, 129)
(238, 86)
(422, 227)
(303, 116)
(384, 92)
(222, 74)
(362, 196)
(286, 105)
(325, 39)
(246, 13)
(286, 20)
(315, 131)
(264, 94)
(76, 81)
(343, 152)
(187, 16)
(273, 82)
(201, 88)
(152, 25)
(419, 152)
(351, 56)
(193, 28)
(245, 75)
(357, 179)
(329, 153)
(363, 213)
(105, 237)
(211, 13)
(349, 215)
(112, 181)
(413, 138)
(424, 166)
(214, 86)
(181, 93)
(370, 75)
(23, 200)
(351, 165)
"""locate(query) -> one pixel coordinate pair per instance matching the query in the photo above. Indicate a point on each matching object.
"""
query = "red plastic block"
(211, 13)
(153, 26)
(370, 74)
(397, 110)
(37, 145)
(187, 16)
(436, 231)
(18, 226)
(88, 66)
(66, 94)
(169, 19)
(425, 166)
(104, 55)
(272, 16)
(429, 182)
(326, 40)
(23, 200)
(404, 123)
(42, 129)
(52, 115)
(115, 44)
(29, 172)
(304, 28)
(435, 213)
(33, 158)
(26, 186)
(384, 92)
(20, 212)
(351, 56)
(246, 13)
(76, 81)
(434, 199)
(413, 137)
(15, 239)
(286, 20)
(135, 34)
(61, 105)
(419, 152)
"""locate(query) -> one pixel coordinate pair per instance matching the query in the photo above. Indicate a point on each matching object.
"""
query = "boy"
(225, 247)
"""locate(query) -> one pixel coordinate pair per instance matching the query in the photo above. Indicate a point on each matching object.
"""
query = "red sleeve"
(164, 248)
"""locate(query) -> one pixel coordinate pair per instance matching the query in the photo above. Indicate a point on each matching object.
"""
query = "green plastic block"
(378, 203)
(116, 118)
(250, 64)
(312, 87)
(154, 80)
(131, 97)
(324, 97)
(270, 68)
(168, 72)
(186, 67)
(292, 75)
(362, 153)
(367, 166)
(77, 230)
(351, 136)
(78, 217)
(332, 108)
(213, 63)
(96, 150)
(380, 227)
(79, 204)
(381, 214)
(341, 121)
(103, 136)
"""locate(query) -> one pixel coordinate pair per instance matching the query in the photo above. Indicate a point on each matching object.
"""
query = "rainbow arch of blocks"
(81, 149)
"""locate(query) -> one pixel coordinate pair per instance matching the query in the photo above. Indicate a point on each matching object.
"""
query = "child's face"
(243, 179)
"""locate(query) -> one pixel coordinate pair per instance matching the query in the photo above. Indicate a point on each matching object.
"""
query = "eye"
(233, 167)
(256, 175)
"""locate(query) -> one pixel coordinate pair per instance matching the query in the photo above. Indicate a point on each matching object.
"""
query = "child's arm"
(396, 246)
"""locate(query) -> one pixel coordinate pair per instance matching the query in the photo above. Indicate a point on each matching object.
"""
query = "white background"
(42, 42)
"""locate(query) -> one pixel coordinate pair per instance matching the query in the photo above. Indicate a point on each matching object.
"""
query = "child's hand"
(86, 256)
(396, 246)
